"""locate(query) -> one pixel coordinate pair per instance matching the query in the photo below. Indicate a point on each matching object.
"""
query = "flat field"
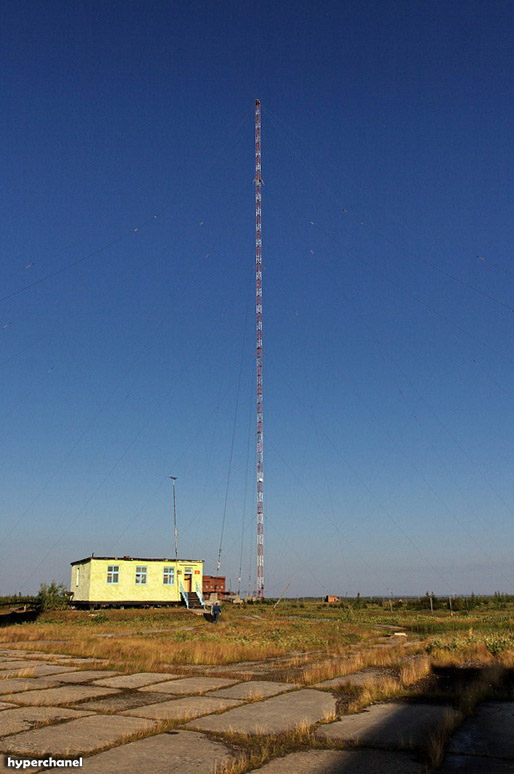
(311, 632)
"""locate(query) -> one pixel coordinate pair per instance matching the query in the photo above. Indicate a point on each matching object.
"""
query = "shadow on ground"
(18, 617)
(410, 735)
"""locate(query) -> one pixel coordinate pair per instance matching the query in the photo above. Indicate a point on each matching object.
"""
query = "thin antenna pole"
(258, 330)
(175, 530)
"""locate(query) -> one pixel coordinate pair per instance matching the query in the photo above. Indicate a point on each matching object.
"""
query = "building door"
(188, 581)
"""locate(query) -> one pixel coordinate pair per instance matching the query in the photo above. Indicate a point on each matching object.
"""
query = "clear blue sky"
(388, 289)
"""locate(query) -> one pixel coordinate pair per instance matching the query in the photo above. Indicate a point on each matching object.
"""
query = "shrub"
(497, 644)
(52, 597)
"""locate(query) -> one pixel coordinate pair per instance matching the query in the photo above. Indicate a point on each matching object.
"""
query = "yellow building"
(130, 581)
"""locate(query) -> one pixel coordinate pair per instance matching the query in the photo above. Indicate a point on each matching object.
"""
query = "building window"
(113, 573)
(77, 576)
(169, 576)
(140, 575)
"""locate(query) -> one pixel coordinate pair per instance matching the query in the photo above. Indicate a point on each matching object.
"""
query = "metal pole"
(175, 530)
(258, 325)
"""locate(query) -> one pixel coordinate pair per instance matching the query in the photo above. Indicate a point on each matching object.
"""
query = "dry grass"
(369, 657)
(28, 672)
(415, 669)
(377, 690)
(439, 738)
(466, 700)
(470, 696)
(255, 751)
(188, 640)
(153, 653)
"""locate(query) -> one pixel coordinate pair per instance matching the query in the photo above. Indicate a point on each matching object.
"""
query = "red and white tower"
(258, 330)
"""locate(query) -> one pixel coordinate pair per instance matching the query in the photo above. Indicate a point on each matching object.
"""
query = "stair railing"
(199, 593)
(184, 595)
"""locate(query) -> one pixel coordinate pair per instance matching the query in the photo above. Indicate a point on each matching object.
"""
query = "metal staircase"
(193, 600)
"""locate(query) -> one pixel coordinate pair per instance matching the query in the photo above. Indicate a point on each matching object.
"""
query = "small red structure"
(331, 599)
(212, 584)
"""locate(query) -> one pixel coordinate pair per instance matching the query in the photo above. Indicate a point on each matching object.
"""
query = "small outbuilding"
(108, 581)
(215, 585)
(331, 599)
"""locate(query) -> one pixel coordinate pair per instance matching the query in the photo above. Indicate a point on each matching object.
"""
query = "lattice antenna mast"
(258, 330)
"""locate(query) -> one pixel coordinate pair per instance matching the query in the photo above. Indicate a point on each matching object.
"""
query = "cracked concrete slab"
(10, 766)
(254, 689)
(66, 694)
(84, 676)
(14, 684)
(25, 718)
(182, 751)
(183, 709)
(123, 701)
(19, 664)
(343, 762)
(192, 685)
(489, 732)
(397, 726)
(42, 670)
(364, 677)
(76, 737)
(272, 716)
(138, 680)
(13, 672)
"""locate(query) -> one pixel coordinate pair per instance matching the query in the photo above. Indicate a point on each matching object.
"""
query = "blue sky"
(127, 135)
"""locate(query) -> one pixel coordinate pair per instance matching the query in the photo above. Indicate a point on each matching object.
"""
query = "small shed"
(331, 599)
(214, 584)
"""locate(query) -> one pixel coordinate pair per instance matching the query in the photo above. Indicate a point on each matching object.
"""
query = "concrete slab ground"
(192, 685)
(25, 718)
(52, 669)
(489, 732)
(475, 764)
(84, 676)
(182, 709)
(396, 726)
(9, 767)
(343, 762)
(19, 663)
(180, 751)
(272, 716)
(12, 672)
(66, 694)
(47, 658)
(365, 677)
(14, 684)
(253, 689)
(123, 701)
(137, 680)
(75, 737)
(42, 670)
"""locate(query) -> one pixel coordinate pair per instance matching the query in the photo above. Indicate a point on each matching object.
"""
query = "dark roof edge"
(133, 559)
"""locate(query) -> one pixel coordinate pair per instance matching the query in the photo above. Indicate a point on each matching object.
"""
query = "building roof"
(134, 559)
